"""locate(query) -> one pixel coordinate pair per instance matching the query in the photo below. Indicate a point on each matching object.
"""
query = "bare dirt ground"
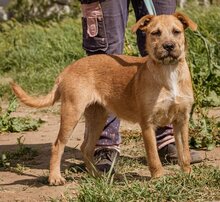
(31, 183)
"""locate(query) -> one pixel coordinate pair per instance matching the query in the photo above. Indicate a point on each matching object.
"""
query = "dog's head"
(165, 38)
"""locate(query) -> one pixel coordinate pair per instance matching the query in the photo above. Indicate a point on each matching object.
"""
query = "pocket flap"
(92, 26)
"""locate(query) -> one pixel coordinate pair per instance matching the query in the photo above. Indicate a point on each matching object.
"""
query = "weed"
(204, 131)
(19, 169)
(23, 153)
(17, 124)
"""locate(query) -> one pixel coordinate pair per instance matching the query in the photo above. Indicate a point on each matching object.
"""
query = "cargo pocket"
(94, 33)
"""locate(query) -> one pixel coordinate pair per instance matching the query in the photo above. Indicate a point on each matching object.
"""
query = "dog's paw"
(187, 169)
(56, 180)
(156, 173)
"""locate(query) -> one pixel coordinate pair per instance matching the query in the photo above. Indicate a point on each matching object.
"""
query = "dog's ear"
(142, 23)
(186, 21)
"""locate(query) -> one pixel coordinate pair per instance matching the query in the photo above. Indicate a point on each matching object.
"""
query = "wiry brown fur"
(153, 91)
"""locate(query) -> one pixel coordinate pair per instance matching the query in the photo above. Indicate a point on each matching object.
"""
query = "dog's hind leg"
(70, 115)
(153, 159)
(182, 144)
(95, 116)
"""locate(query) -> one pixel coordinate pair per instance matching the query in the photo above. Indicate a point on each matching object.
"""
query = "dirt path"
(32, 185)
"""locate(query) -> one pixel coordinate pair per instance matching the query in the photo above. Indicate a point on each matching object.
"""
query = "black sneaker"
(168, 155)
(104, 158)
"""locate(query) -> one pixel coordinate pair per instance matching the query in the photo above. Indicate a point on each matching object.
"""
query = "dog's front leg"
(153, 159)
(182, 144)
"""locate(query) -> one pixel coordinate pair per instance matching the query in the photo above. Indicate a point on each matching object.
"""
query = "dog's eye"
(176, 31)
(156, 33)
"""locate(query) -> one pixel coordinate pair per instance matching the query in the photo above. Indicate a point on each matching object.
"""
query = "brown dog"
(153, 91)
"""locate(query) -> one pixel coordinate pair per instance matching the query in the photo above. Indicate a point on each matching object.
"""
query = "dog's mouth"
(167, 57)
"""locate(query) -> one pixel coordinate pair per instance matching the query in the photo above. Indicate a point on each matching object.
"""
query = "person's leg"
(164, 135)
(109, 39)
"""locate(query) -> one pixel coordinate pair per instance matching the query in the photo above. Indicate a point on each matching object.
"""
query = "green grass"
(202, 185)
(34, 55)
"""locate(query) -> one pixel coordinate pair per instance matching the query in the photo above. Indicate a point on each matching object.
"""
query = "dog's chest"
(172, 103)
(166, 111)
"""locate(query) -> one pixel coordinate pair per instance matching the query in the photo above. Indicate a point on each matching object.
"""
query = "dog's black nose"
(169, 46)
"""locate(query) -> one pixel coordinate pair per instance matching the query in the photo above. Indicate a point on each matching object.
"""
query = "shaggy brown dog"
(153, 91)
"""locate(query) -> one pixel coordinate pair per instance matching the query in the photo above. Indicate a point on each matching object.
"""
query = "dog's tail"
(37, 102)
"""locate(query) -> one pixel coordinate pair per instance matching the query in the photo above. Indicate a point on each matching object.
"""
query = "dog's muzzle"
(168, 53)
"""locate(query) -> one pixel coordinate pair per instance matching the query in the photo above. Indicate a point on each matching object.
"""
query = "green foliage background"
(33, 55)
(37, 10)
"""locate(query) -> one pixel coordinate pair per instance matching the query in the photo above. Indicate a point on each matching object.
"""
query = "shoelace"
(104, 154)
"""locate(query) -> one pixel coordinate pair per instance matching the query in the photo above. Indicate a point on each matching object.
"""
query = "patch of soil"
(31, 183)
